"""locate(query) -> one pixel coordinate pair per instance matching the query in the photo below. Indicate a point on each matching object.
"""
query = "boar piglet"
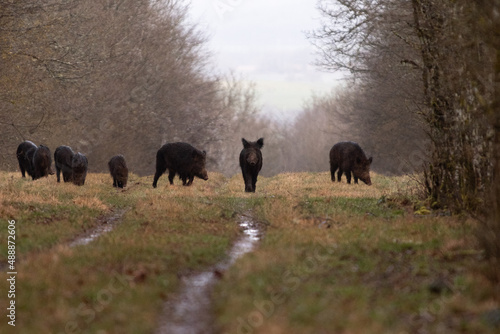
(118, 170)
(63, 157)
(42, 162)
(79, 165)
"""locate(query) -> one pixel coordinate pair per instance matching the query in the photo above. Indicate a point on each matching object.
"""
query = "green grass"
(121, 280)
(353, 260)
(334, 257)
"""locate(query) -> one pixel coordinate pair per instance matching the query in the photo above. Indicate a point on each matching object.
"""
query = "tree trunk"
(491, 234)
(429, 25)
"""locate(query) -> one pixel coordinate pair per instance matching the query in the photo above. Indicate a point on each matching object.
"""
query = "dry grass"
(340, 258)
(166, 232)
(353, 259)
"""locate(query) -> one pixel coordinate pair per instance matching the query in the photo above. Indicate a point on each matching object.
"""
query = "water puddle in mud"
(106, 224)
(191, 311)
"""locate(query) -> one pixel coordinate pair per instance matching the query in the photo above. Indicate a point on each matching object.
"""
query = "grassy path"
(119, 282)
(335, 258)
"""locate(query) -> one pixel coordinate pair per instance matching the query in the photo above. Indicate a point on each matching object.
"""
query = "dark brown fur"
(63, 156)
(42, 162)
(118, 170)
(348, 157)
(182, 159)
(251, 162)
(79, 165)
(24, 154)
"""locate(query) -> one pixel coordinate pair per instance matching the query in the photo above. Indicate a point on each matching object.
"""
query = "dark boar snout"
(203, 175)
(252, 159)
(368, 181)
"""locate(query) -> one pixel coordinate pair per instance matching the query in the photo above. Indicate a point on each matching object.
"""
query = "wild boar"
(63, 157)
(41, 162)
(349, 157)
(24, 153)
(118, 170)
(251, 162)
(182, 159)
(79, 166)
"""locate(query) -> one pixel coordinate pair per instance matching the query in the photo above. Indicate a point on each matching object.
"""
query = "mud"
(106, 224)
(190, 312)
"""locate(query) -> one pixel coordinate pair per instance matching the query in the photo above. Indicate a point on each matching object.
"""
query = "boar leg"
(333, 168)
(254, 181)
(160, 169)
(339, 174)
(171, 174)
(248, 183)
(348, 176)
(21, 166)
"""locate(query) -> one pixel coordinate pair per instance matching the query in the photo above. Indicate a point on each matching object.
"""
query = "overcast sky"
(265, 41)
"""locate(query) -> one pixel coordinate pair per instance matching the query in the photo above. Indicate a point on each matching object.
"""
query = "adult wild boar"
(118, 170)
(24, 153)
(182, 159)
(349, 157)
(29, 155)
(63, 156)
(251, 162)
(41, 162)
(79, 166)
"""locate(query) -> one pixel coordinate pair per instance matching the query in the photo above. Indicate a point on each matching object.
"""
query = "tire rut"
(190, 312)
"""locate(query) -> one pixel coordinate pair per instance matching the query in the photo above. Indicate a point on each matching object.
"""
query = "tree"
(28, 67)
(488, 28)
(375, 42)
(118, 76)
(394, 42)
(454, 65)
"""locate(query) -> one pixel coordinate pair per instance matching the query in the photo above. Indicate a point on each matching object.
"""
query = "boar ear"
(204, 153)
(370, 160)
(245, 143)
(260, 142)
(197, 154)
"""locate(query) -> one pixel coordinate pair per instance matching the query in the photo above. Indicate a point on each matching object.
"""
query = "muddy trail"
(190, 312)
(105, 225)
